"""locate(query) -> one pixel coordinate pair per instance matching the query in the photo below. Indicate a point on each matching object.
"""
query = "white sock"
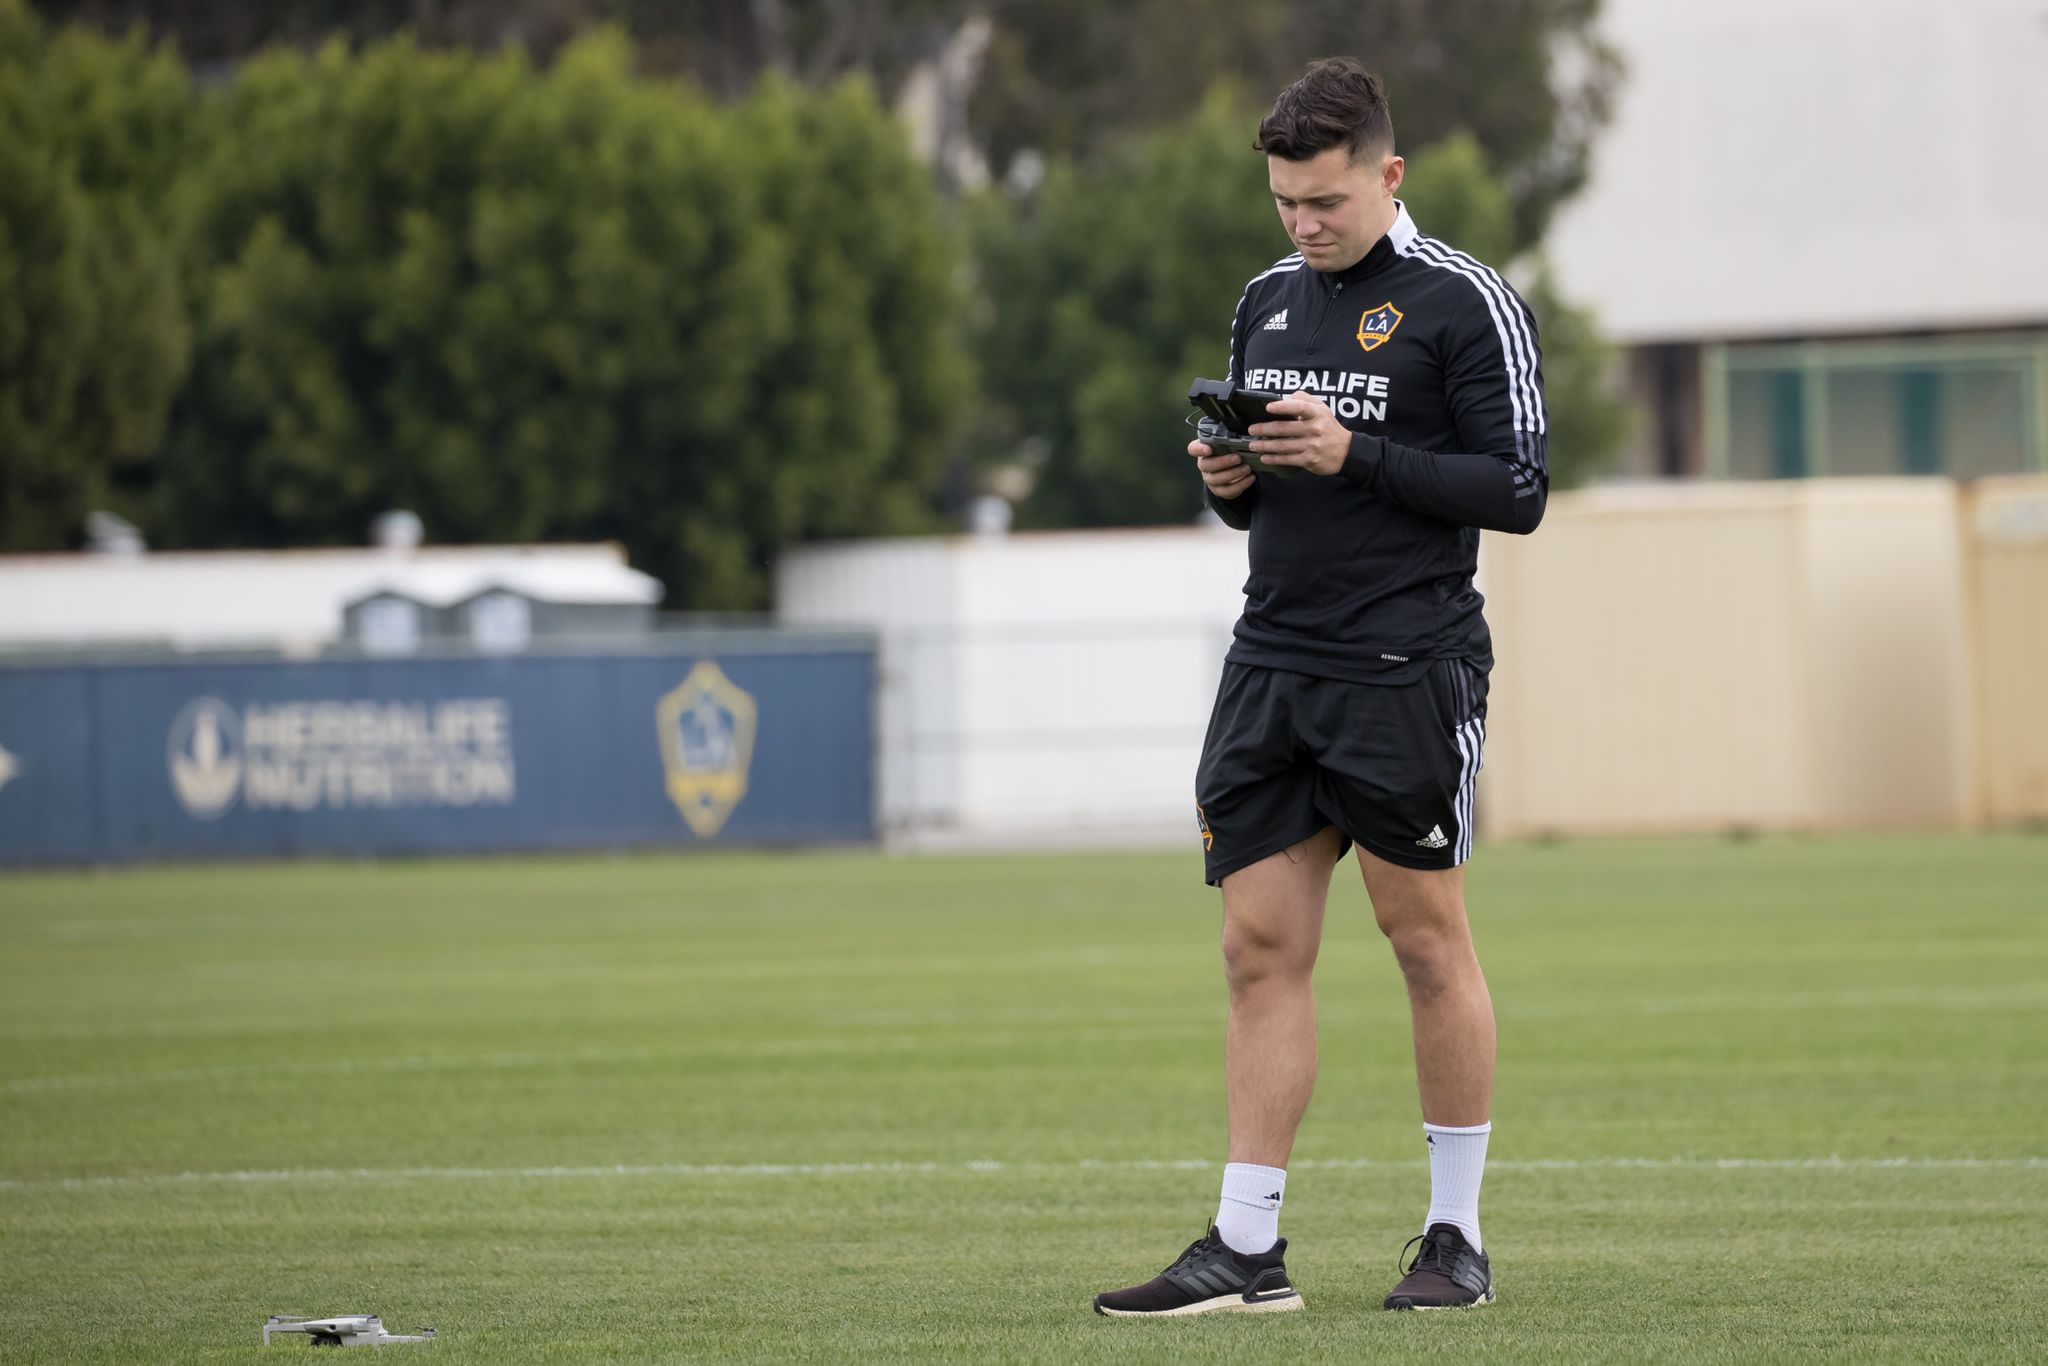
(1457, 1164)
(1248, 1217)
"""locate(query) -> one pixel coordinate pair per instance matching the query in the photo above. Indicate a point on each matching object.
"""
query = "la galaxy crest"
(1375, 325)
(706, 726)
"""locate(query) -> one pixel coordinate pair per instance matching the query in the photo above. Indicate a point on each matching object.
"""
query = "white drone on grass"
(342, 1330)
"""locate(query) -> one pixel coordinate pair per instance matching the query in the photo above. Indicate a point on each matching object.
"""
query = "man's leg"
(1254, 797)
(1422, 913)
(1272, 928)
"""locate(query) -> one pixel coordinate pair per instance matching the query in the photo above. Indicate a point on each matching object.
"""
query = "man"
(1353, 700)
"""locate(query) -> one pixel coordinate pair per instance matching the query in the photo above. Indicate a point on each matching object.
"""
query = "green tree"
(571, 303)
(870, 382)
(93, 334)
(1106, 291)
(1532, 80)
(1115, 283)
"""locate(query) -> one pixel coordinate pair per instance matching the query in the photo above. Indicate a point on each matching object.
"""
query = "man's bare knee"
(1273, 913)
(1430, 957)
(1256, 950)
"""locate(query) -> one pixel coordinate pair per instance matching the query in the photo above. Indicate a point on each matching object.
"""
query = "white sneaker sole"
(1222, 1304)
(1487, 1298)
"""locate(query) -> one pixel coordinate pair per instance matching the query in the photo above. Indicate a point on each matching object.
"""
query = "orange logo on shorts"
(1202, 821)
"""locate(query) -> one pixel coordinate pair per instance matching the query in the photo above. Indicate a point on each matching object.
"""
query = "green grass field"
(1763, 1101)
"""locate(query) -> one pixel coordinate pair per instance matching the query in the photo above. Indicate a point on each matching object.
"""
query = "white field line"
(699, 1170)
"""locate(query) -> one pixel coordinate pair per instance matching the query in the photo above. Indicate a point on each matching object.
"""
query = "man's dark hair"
(1337, 102)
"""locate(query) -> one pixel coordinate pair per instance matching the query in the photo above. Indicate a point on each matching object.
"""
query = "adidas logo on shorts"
(1434, 839)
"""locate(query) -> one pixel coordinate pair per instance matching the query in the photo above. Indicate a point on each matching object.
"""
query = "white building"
(1049, 684)
(1818, 227)
(290, 600)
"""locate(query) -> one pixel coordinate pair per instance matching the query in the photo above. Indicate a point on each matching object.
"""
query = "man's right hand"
(1225, 475)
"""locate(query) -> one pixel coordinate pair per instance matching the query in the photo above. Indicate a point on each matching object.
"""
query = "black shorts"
(1391, 766)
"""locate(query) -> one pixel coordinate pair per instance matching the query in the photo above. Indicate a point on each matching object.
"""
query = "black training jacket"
(1431, 360)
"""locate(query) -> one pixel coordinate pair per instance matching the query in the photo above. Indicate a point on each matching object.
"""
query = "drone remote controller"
(1225, 413)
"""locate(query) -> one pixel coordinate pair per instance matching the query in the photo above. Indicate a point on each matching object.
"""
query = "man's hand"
(1309, 436)
(1225, 475)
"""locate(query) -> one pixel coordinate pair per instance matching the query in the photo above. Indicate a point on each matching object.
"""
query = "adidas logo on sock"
(1434, 839)
(1278, 322)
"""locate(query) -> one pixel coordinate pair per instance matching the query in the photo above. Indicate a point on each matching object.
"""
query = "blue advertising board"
(107, 763)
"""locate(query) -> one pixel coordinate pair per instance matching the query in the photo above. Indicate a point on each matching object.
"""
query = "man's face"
(1333, 207)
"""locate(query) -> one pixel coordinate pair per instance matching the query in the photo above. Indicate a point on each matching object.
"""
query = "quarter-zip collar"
(1380, 256)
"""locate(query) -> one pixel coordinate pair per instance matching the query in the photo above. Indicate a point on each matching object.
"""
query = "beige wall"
(1882, 600)
(1804, 654)
(1787, 655)
(2006, 526)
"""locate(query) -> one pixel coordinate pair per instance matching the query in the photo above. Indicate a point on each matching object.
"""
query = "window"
(1959, 406)
(500, 622)
(389, 626)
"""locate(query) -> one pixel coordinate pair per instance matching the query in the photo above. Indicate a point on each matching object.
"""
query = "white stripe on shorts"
(1471, 744)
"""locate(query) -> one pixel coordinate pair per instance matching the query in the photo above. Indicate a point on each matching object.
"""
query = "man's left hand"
(1309, 436)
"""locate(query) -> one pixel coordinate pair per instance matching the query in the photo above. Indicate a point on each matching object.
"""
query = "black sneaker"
(1209, 1278)
(1446, 1273)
